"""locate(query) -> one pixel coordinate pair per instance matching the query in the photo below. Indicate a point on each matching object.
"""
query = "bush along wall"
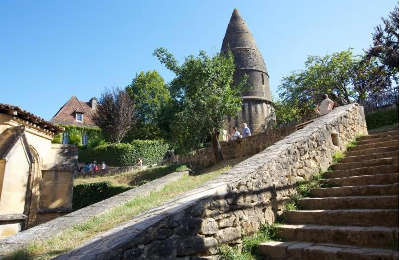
(382, 118)
(125, 154)
(90, 193)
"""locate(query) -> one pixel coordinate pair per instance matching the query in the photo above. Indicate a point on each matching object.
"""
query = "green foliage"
(386, 41)
(75, 136)
(346, 78)
(304, 188)
(337, 156)
(249, 250)
(149, 93)
(150, 151)
(382, 118)
(88, 194)
(57, 139)
(203, 94)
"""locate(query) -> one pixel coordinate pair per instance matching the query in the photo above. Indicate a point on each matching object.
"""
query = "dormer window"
(79, 117)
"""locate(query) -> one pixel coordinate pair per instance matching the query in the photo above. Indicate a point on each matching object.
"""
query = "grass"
(133, 178)
(78, 234)
(249, 249)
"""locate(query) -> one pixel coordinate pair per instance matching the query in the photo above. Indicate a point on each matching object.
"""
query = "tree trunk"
(216, 146)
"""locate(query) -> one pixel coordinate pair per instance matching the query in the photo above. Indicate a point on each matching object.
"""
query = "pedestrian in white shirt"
(325, 106)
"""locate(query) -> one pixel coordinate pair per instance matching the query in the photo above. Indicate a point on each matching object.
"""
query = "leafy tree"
(344, 77)
(114, 114)
(150, 94)
(385, 44)
(203, 94)
(369, 79)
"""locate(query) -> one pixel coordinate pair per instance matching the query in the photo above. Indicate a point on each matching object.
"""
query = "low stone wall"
(235, 149)
(55, 226)
(236, 203)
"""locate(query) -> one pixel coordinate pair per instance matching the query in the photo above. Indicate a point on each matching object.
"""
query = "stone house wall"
(235, 204)
(59, 159)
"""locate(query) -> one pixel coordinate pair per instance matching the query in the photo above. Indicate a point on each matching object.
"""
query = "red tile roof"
(66, 114)
(29, 117)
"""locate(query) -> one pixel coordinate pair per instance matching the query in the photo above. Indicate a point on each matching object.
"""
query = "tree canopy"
(343, 76)
(150, 94)
(114, 114)
(203, 94)
(385, 42)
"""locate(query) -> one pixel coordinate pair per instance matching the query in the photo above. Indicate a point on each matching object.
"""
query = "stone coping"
(56, 226)
(121, 236)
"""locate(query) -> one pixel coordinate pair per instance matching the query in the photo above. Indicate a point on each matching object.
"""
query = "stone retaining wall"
(236, 203)
(55, 226)
(248, 146)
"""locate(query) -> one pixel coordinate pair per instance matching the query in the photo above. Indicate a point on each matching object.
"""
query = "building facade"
(78, 114)
(36, 176)
(257, 110)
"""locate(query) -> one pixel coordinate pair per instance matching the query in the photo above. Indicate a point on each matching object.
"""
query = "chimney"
(93, 103)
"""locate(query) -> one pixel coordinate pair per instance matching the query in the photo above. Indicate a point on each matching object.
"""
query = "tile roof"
(18, 112)
(66, 114)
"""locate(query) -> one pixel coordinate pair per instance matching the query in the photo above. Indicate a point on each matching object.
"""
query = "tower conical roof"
(240, 41)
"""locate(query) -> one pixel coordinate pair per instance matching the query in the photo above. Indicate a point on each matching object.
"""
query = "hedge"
(125, 154)
(90, 193)
(382, 118)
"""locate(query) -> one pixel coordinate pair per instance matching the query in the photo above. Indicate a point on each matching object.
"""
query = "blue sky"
(51, 50)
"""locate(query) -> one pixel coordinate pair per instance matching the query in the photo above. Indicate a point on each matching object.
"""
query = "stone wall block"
(208, 226)
(229, 234)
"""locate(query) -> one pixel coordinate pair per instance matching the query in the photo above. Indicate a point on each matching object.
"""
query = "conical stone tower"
(257, 110)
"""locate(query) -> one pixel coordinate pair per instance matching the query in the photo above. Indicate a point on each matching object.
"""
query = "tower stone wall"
(257, 110)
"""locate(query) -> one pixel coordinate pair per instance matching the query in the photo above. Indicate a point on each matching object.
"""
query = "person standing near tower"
(246, 131)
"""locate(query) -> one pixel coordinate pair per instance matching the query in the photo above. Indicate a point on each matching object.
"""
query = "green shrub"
(57, 139)
(150, 151)
(87, 194)
(382, 118)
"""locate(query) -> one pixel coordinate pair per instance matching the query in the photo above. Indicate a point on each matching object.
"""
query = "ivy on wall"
(75, 134)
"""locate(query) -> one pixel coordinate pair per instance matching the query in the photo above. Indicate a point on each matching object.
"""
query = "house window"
(262, 78)
(79, 117)
(84, 138)
(65, 139)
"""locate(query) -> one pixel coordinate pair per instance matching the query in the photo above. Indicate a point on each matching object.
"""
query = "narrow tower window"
(262, 78)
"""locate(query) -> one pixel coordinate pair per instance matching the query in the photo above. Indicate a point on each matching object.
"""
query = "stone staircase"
(355, 216)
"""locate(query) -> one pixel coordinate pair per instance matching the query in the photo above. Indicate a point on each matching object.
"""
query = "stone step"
(380, 237)
(366, 190)
(352, 217)
(363, 158)
(373, 150)
(375, 145)
(379, 135)
(377, 140)
(350, 202)
(277, 250)
(369, 170)
(369, 163)
(361, 180)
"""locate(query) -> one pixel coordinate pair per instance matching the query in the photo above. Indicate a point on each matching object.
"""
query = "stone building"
(79, 114)
(257, 110)
(36, 176)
